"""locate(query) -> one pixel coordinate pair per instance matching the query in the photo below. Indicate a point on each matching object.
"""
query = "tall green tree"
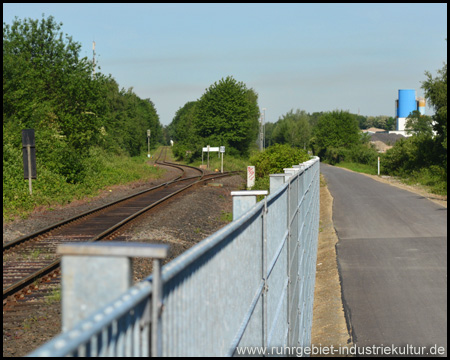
(419, 124)
(47, 86)
(269, 127)
(436, 93)
(293, 129)
(46, 83)
(181, 129)
(336, 129)
(140, 116)
(227, 114)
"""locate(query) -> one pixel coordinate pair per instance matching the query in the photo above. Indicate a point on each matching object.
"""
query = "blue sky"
(314, 57)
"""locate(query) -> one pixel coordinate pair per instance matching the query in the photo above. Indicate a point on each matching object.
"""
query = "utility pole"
(264, 128)
(148, 141)
(93, 59)
(260, 133)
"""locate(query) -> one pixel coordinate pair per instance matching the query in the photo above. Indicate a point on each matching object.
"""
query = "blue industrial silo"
(406, 102)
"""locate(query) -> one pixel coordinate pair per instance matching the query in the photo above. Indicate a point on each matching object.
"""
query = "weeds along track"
(32, 258)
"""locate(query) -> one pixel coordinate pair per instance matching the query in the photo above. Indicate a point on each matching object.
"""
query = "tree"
(46, 84)
(227, 114)
(436, 94)
(390, 123)
(181, 129)
(336, 129)
(419, 124)
(268, 133)
(188, 144)
(48, 87)
(293, 129)
(314, 118)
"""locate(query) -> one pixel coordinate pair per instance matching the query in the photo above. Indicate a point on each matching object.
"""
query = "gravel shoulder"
(329, 326)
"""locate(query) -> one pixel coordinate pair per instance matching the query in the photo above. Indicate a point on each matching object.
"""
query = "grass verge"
(230, 163)
(431, 179)
(101, 170)
(361, 168)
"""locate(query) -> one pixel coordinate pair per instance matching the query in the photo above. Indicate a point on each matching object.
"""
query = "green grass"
(49, 189)
(362, 168)
(230, 163)
(54, 296)
(226, 216)
(430, 178)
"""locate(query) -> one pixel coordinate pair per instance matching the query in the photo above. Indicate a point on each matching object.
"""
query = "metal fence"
(251, 284)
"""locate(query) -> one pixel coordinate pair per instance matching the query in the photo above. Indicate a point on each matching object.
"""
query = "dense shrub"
(410, 154)
(100, 169)
(273, 160)
(417, 160)
(360, 153)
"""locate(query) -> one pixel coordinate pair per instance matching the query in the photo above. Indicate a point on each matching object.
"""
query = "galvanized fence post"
(290, 173)
(276, 181)
(242, 202)
(87, 287)
(156, 309)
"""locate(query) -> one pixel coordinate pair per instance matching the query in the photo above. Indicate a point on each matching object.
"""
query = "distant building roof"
(374, 130)
(388, 139)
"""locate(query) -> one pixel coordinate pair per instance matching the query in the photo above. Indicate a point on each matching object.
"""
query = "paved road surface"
(392, 257)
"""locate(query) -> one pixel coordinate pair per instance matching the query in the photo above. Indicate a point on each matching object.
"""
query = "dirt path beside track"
(329, 327)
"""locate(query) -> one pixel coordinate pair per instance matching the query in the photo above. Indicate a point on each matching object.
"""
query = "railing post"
(244, 200)
(276, 181)
(156, 343)
(95, 273)
(291, 171)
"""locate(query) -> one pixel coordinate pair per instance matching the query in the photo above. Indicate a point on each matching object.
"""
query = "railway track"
(32, 258)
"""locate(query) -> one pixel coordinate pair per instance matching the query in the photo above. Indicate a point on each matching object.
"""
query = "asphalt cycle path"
(392, 259)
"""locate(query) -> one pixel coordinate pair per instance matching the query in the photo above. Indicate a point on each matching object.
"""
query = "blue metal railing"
(250, 284)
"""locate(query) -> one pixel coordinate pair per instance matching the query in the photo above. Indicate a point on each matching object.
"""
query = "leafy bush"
(398, 157)
(187, 152)
(411, 154)
(273, 160)
(358, 153)
(100, 169)
(434, 177)
(334, 155)
(363, 154)
(417, 160)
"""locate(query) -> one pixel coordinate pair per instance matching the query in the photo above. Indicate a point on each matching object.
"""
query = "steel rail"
(19, 285)
(27, 280)
(25, 238)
